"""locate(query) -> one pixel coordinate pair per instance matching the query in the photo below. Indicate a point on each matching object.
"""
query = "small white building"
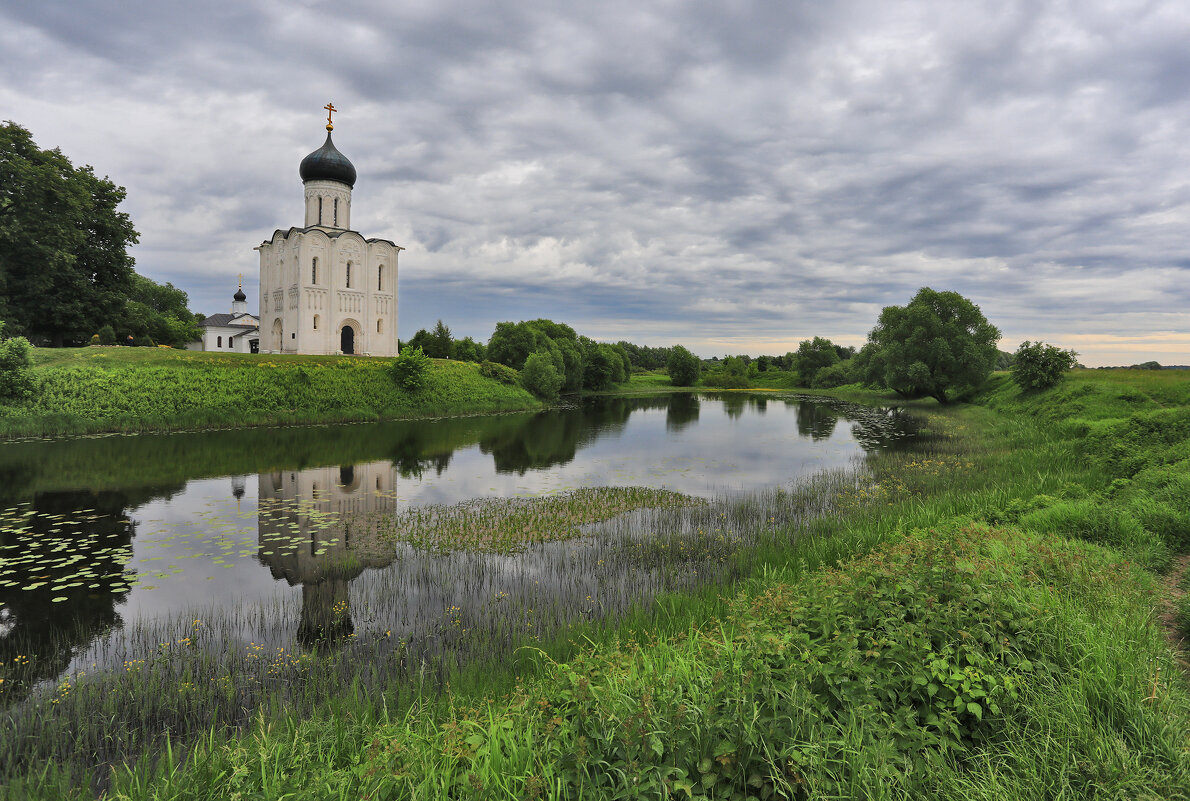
(238, 332)
(324, 288)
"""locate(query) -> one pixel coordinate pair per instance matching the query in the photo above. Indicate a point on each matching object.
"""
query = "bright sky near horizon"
(733, 176)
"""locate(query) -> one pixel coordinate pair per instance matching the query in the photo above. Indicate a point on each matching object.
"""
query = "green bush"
(145, 341)
(541, 377)
(1036, 365)
(409, 369)
(836, 375)
(16, 363)
(722, 379)
(683, 367)
(107, 335)
(500, 372)
(95, 339)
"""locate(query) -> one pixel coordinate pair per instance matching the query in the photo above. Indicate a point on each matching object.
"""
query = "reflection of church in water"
(311, 532)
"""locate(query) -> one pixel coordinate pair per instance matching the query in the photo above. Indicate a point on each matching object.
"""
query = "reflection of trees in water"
(74, 531)
(553, 437)
(885, 429)
(681, 411)
(816, 421)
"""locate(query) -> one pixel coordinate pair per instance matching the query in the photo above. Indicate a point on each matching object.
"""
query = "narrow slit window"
(348, 275)
(380, 278)
(336, 212)
(219, 342)
(316, 322)
(380, 326)
(320, 209)
(314, 271)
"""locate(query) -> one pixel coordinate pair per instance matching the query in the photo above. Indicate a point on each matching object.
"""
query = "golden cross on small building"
(241, 280)
(330, 109)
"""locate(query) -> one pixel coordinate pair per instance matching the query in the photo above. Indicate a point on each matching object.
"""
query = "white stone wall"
(354, 285)
(335, 208)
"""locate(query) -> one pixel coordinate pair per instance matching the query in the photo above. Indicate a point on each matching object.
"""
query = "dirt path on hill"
(1168, 611)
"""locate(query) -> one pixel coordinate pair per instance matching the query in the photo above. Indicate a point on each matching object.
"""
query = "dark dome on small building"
(327, 164)
(239, 296)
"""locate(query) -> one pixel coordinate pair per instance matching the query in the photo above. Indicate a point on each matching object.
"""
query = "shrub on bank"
(409, 368)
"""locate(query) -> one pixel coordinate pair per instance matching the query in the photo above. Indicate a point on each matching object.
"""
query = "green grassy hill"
(88, 390)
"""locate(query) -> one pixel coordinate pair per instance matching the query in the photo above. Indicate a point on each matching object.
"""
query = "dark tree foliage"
(940, 342)
(813, 355)
(1036, 365)
(64, 266)
(683, 366)
(468, 350)
(441, 342)
(159, 312)
(541, 376)
(645, 357)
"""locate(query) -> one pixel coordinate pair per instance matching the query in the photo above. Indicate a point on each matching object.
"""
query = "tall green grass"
(89, 390)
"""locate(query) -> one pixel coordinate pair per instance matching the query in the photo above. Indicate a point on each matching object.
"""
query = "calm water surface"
(99, 534)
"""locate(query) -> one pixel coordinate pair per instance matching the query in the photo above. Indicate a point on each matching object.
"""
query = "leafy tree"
(16, 365)
(159, 312)
(422, 340)
(1036, 365)
(836, 375)
(597, 365)
(107, 335)
(468, 350)
(440, 342)
(64, 265)
(812, 355)
(938, 343)
(540, 376)
(683, 366)
(511, 343)
(409, 368)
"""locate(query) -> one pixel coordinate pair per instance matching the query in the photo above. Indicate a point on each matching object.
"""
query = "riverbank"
(131, 390)
(972, 618)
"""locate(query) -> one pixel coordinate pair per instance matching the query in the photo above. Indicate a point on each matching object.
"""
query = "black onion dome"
(239, 296)
(327, 164)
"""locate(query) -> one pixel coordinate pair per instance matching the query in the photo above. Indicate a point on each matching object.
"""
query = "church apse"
(312, 533)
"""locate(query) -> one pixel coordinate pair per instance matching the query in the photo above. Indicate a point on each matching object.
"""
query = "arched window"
(320, 209)
(380, 278)
(380, 326)
(316, 322)
(314, 271)
(348, 275)
(336, 212)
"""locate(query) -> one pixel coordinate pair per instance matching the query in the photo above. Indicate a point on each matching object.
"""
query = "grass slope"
(88, 390)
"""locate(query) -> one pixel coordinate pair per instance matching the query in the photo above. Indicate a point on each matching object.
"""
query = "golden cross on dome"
(330, 109)
(241, 280)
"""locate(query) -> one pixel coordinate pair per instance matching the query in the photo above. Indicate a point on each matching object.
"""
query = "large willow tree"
(939, 343)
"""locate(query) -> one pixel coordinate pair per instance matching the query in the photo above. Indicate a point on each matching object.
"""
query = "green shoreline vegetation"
(118, 389)
(969, 618)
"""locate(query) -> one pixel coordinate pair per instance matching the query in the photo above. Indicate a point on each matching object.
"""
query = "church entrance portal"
(348, 340)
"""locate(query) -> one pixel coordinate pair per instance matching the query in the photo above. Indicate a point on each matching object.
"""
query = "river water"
(104, 534)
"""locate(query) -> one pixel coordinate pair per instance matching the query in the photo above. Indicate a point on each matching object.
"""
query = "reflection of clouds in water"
(240, 544)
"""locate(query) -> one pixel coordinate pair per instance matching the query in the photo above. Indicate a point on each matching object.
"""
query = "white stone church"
(324, 288)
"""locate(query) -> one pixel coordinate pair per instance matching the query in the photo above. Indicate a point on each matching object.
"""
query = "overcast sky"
(734, 176)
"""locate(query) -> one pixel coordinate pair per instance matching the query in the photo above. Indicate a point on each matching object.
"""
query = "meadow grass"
(94, 389)
(971, 617)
